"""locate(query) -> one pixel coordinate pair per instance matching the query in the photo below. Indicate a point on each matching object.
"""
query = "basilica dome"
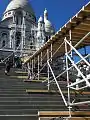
(49, 27)
(23, 4)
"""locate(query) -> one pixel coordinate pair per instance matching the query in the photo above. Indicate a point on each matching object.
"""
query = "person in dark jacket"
(8, 66)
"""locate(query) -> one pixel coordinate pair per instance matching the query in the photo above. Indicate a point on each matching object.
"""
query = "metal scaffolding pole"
(34, 62)
(29, 72)
(51, 53)
(82, 39)
(41, 59)
(84, 78)
(32, 67)
(57, 84)
(48, 68)
(80, 103)
(66, 53)
(70, 34)
(75, 64)
(38, 68)
(78, 54)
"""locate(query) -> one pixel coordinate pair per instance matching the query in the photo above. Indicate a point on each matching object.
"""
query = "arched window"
(18, 38)
(46, 38)
(3, 43)
(31, 45)
(4, 34)
(19, 18)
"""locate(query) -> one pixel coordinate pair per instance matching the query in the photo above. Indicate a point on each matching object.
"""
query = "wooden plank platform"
(73, 118)
(53, 91)
(63, 113)
(40, 91)
(27, 80)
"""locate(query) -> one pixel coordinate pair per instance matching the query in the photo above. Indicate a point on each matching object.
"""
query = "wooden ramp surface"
(73, 118)
(53, 91)
(63, 113)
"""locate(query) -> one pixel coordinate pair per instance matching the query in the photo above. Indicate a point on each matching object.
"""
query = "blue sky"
(60, 11)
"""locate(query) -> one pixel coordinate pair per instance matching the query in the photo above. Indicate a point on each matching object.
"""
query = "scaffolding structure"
(74, 35)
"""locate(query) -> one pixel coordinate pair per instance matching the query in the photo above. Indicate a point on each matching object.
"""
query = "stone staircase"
(23, 100)
(16, 103)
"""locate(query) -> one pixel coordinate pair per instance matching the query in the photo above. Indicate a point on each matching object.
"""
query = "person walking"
(8, 66)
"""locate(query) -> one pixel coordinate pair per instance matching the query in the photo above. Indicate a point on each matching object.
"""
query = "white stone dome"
(24, 4)
(40, 19)
(45, 12)
(49, 27)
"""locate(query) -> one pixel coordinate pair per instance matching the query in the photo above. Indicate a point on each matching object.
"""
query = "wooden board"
(63, 113)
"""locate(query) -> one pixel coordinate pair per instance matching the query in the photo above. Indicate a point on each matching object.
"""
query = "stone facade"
(19, 30)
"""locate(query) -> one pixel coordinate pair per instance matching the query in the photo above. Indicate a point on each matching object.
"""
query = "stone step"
(15, 101)
(33, 106)
(13, 95)
(28, 95)
(20, 117)
(35, 99)
(26, 111)
(18, 87)
(19, 102)
(23, 112)
(12, 92)
(18, 111)
(30, 98)
(9, 87)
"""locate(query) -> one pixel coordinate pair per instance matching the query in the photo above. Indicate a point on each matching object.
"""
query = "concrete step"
(30, 95)
(24, 111)
(18, 111)
(30, 98)
(18, 117)
(34, 106)
(17, 102)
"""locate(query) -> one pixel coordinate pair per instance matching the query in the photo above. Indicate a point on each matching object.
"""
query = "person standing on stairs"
(8, 66)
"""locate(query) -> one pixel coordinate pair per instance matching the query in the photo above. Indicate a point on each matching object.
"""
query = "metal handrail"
(70, 68)
(84, 78)
(11, 54)
(78, 53)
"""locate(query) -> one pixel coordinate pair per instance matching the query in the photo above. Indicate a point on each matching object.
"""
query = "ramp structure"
(67, 49)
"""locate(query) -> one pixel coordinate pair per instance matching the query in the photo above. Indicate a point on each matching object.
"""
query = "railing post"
(32, 67)
(78, 79)
(38, 68)
(34, 62)
(41, 58)
(51, 52)
(48, 68)
(29, 72)
(70, 34)
(66, 53)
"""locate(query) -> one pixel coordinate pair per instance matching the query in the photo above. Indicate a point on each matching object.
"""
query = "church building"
(20, 32)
